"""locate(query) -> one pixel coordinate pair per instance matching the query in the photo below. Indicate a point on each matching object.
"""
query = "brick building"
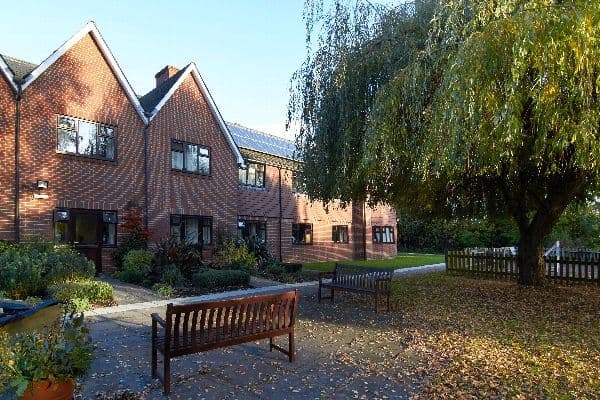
(78, 145)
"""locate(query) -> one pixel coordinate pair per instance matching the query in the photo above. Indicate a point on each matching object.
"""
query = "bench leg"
(319, 295)
(332, 291)
(292, 347)
(376, 302)
(270, 344)
(167, 375)
(388, 302)
(154, 350)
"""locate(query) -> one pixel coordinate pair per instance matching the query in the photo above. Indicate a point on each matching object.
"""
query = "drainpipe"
(17, 220)
(364, 231)
(280, 219)
(146, 197)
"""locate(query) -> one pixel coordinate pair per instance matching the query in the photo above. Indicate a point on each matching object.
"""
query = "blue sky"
(246, 51)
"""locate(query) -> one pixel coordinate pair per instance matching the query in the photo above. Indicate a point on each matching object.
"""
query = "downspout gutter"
(364, 231)
(17, 219)
(280, 219)
(146, 178)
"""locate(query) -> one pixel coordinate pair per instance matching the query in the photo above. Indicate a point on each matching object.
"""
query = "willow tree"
(495, 111)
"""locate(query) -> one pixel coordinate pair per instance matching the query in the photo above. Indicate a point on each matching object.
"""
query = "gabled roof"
(89, 28)
(151, 99)
(18, 68)
(154, 100)
(8, 74)
(252, 139)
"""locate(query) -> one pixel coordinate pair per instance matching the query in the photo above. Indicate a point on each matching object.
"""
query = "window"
(188, 157)
(85, 227)
(191, 229)
(302, 233)
(91, 139)
(252, 231)
(109, 228)
(253, 175)
(339, 234)
(297, 183)
(383, 234)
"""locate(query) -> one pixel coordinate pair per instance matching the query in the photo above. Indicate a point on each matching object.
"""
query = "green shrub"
(77, 306)
(6, 245)
(27, 269)
(128, 244)
(292, 268)
(275, 268)
(65, 264)
(164, 289)
(22, 273)
(212, 278)
(96, 292)
(239, 267)
(138, 259)
(182, 254)
(172, 276)
(137, 266)
(230, 252)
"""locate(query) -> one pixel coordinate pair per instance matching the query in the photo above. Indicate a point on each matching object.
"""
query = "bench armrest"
(157, 318)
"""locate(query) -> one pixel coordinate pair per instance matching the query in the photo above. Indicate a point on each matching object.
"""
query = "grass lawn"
(402, 260)
(475, 338)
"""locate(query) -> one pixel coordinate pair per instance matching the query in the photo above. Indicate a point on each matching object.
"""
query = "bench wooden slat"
(223, 323)
(359, 279)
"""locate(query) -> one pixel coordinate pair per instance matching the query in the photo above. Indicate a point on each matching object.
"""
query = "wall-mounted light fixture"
(41, 185)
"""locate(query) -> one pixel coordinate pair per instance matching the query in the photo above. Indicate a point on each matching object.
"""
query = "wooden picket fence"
(570, 267)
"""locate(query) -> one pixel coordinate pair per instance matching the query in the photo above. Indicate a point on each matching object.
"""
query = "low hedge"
(214, 278)
(95, 292)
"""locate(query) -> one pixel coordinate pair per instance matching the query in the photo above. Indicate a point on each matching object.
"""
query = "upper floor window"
(91, 139)
(302, 234)
(191, 229)
(339, 234)
(253, 175)
(188, 157)
(383, 234)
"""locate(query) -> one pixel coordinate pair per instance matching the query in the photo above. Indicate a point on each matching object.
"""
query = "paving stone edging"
(242, 292)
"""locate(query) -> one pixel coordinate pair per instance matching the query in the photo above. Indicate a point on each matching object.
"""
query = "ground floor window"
(383, 234)
(85, 227)
(252, 232)
(339, 234)
(191, 229)
(302, 234)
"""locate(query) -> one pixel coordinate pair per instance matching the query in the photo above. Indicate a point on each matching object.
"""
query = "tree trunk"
(530, 260)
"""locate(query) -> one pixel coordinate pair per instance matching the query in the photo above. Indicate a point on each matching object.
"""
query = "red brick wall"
(263, 204)
(186, 116)
(7, 155)
(79, 84)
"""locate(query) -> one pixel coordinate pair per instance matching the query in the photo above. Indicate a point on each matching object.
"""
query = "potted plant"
(44, 364)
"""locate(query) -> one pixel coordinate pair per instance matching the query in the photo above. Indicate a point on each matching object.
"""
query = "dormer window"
(189, 157)
(85, 138)
(252, 175)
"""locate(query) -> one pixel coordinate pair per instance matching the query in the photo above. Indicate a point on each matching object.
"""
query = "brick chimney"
(165, 74)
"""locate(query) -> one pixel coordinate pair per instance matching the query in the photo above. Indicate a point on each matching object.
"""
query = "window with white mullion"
(86, 138)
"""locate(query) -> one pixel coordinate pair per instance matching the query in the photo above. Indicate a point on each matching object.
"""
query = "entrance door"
(86, 231)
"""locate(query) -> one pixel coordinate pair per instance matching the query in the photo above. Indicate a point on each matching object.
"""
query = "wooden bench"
(198, 327)
(372, 281)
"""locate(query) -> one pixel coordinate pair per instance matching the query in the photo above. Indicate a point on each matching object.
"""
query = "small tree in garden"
(136, 234)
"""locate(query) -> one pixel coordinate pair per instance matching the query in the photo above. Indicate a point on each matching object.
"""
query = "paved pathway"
(261, 286)
(344, 351)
